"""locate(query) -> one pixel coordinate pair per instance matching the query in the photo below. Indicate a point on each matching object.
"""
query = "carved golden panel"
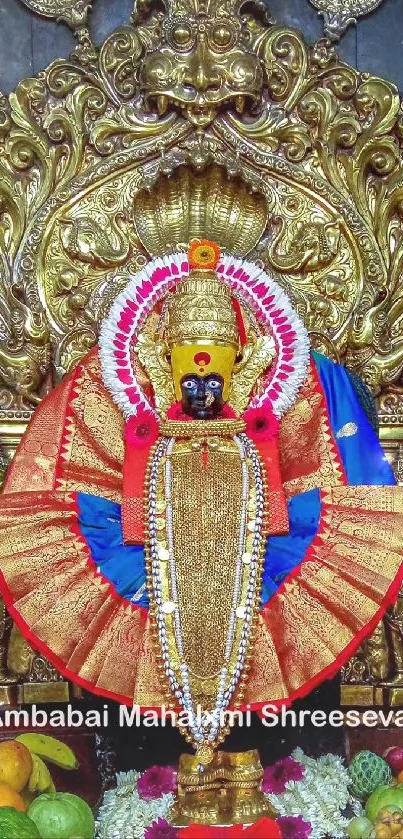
(339, 14)
(201, 104)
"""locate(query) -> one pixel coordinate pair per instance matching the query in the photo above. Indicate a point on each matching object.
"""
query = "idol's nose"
(201, 390)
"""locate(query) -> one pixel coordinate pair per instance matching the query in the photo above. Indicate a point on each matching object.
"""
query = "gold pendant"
(204, 754)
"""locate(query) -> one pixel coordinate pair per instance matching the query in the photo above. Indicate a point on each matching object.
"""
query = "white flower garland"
(321, 797)
(124, 814)
(268, 301)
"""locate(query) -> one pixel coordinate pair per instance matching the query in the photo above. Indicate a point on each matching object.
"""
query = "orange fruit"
(10, 798)
(15, 764)
(400, 777)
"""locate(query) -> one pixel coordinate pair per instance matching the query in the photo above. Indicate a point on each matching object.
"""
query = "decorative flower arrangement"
(310, 794)
(261, 424)
(294, 827)
(277, 776)
(319, 798)
(125, 813)
(156, 782)
(141, 431)
(161, 829)
(247, 279)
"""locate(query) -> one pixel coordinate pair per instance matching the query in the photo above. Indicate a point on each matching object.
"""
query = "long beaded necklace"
(205, 729)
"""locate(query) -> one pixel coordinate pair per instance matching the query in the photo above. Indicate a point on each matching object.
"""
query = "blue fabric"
(364, 463)
(123, 565)
(284, 553)
(361, 454)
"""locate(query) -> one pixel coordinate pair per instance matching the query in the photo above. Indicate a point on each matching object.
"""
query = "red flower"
(156, 782)
(276, 776)
(142, 430)
(261, 424)
(201, 831)
(294, 827)
(160, 829)
(175, 412)
(203, 254)
(263, 829)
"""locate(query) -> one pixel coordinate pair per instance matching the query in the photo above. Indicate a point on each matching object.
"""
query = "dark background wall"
(29, 43)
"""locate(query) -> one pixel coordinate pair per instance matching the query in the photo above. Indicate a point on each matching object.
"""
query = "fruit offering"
(385, 796)
(49, 749)
(367, 772)
(15, 825)
(24, 773)
(62, 816)
(359, 828)
(394, 757)
(10, 798)
(388, 825)
(15, 764)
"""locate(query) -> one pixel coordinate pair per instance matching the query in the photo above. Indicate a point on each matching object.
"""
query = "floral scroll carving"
(190, 88)
(320, 141)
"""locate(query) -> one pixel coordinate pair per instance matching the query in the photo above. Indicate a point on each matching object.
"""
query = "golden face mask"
(202, 358)
(202, 330)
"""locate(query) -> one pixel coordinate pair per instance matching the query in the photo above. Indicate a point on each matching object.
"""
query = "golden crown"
(201, 307)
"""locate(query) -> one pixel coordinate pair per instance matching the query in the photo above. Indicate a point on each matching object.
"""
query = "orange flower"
(203, 254)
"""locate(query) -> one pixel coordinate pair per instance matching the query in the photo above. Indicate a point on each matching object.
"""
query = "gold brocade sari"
(351, 570)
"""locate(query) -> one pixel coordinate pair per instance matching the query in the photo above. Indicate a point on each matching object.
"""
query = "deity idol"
(201, 514)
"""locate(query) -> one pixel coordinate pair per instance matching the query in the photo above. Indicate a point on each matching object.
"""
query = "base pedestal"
(228, 791)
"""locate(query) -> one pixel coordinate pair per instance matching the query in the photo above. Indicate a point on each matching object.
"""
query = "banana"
(51, 788)
(40, 779)
(50, 750)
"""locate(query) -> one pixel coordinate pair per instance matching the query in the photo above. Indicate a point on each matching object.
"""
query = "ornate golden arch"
(199, 117)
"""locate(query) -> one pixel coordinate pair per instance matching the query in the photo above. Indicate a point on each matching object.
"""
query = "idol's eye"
(189, 384)
(181, 34)
(222, 36)
(214, 383)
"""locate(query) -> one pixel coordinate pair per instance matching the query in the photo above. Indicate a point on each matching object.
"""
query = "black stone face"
(202, 395)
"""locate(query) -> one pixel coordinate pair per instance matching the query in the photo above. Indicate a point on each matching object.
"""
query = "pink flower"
(156, 782)
(294, 827)
(276, 776)
(142, 430)
(160, 829)
(261, 424)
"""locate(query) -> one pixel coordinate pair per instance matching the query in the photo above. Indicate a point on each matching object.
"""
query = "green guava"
(62, 816)
(359, 828)
(390, 796)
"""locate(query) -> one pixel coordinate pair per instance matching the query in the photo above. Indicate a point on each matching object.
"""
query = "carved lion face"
(203, 60)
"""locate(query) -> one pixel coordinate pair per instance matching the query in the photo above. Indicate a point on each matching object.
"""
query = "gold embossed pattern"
(305, 632)
(206, 548)
(309, 628)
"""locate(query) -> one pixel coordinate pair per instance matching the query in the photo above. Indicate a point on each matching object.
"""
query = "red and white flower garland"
(270, 304)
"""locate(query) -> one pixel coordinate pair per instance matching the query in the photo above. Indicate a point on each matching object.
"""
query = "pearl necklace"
(205, 729)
